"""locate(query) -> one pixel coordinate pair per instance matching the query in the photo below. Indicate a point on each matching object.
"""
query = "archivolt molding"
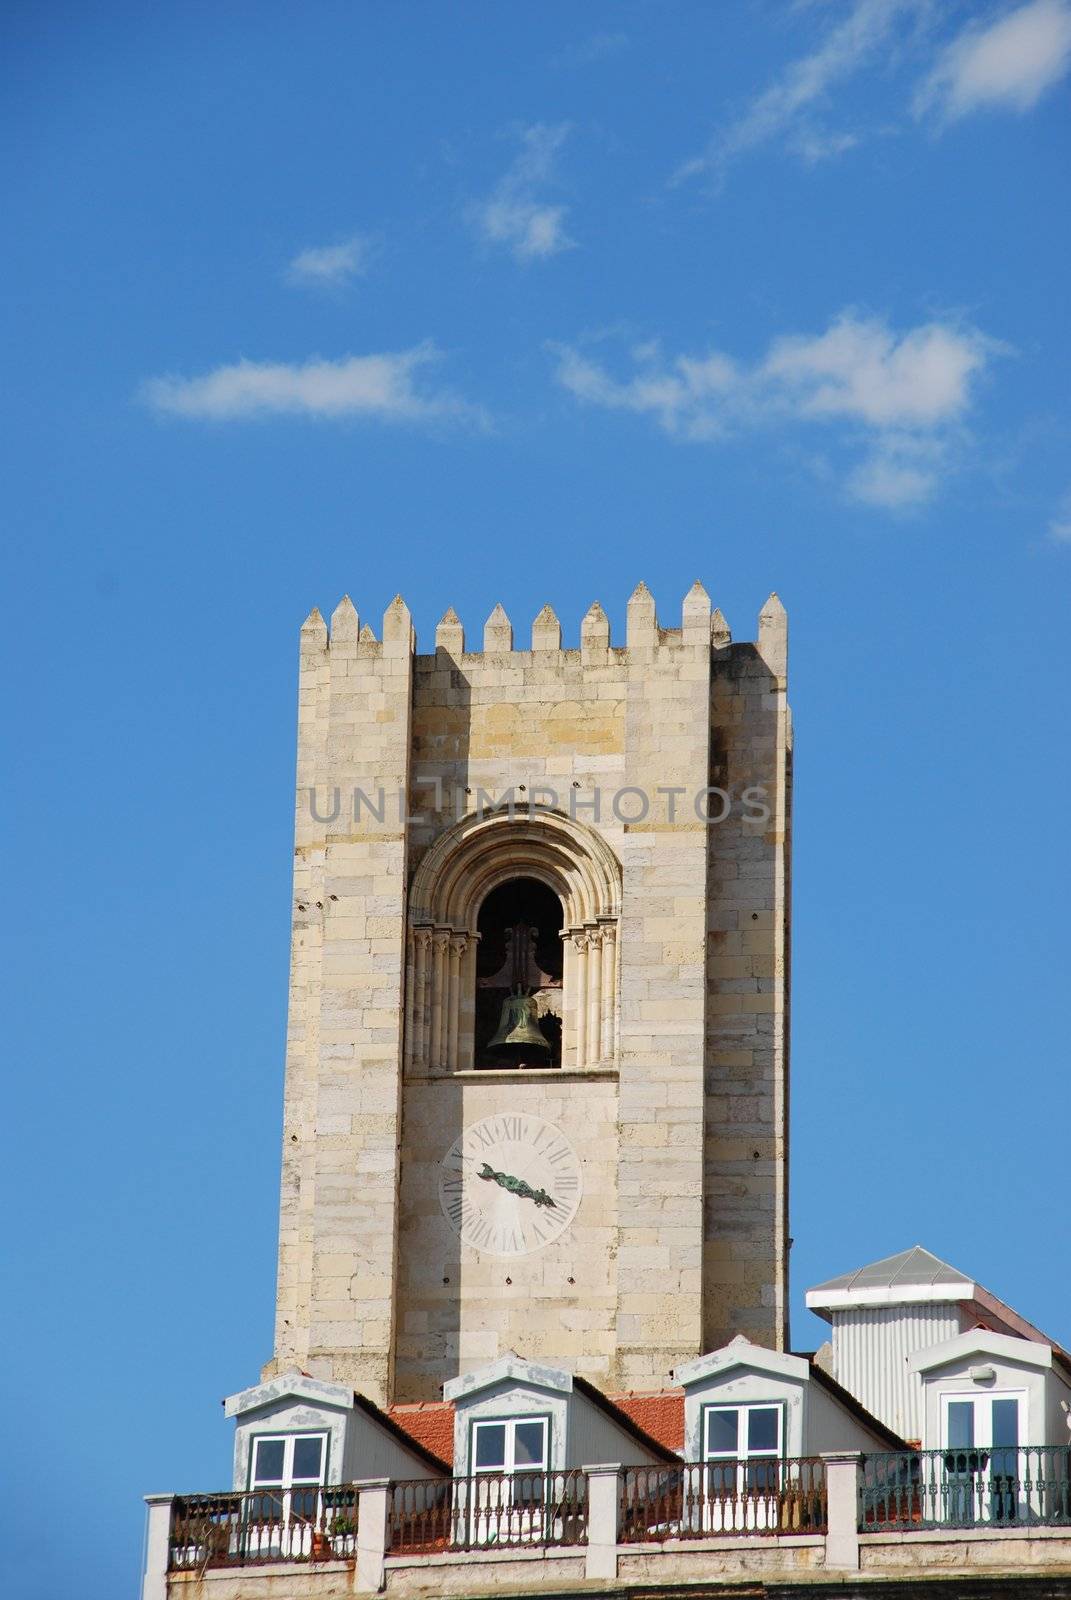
(470, 859)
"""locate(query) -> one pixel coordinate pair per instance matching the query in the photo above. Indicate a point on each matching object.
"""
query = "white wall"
(511, 1398)
(814, 1419)
(357, 1446)
(739, 1385)
(594, 1438)
(954, 1379)
(373, 1452)
(871, 1345)
(291, 1416)
(1057, 1389)
(828, 1426)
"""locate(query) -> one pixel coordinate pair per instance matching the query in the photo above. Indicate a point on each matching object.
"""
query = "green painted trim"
(742, 1405)
(289, 1433)
(545, 1417)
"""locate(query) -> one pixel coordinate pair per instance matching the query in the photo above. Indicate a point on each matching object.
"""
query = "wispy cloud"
(786, 108)
(515, 214)
(898, 398)
(384, 388)
(1008, 65)
(1060, 526)
(330, 266)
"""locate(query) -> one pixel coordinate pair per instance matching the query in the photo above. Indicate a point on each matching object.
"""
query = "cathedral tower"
(537, 1062)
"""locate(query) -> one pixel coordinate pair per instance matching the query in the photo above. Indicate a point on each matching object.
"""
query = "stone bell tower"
(537, 1061)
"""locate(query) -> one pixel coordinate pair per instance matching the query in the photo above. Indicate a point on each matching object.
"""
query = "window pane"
(308, 1454)
(960, 1423)
(528, 1444)
(1005, 1422)
(269, 1461)
(490, 1444)
(762, 1428)
(721, 1433)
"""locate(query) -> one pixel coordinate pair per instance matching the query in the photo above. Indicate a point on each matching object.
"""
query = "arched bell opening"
(519, 970)
(481, 878)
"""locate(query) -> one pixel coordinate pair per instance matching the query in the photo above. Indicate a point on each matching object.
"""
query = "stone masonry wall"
(680, 1239)
(341, 1126)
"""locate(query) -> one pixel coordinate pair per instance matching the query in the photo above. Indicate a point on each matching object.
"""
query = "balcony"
(1005, 1486)
(925, 1513)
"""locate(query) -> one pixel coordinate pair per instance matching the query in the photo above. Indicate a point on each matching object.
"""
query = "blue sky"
(512, 303)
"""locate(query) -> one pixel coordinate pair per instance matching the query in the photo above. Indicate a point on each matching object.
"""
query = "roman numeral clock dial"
(510, 1184)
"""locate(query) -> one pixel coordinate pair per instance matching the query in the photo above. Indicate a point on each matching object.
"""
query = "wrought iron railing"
(488, 1511)
(261, 1525)
(1002, 1486)
(701, 1500)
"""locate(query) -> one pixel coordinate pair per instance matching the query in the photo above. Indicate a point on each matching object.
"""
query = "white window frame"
(509, 1505)
(742, 1456)
(511, 1424)
(290, 1486)
(982, 1400)
(982, 1491)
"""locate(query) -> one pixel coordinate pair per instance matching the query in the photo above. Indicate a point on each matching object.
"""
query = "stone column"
(157, 1541)
(609, 997)
(842, 1498)
(416, 1046)
(603, 1501)
(581, 968)
(466, 1029)
(568, 999)
(439, 997)
(594, 998)
(373, 1504)
(457, 961)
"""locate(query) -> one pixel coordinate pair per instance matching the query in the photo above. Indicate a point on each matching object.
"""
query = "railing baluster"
(700, 1500)
(488, 1511)
(970, 1487)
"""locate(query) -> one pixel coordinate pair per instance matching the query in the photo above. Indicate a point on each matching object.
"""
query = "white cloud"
(330, 266)
(383, 387)
(1008, 65)
(515, 214)
(813, 146)
(785, 108)
(899, 471)
(862, 370)
(898, 399)
(1060, 526)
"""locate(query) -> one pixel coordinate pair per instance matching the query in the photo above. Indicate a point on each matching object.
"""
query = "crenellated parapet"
(700, 625)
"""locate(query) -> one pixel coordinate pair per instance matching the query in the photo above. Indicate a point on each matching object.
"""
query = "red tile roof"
(430, 1423)
(660, 1414)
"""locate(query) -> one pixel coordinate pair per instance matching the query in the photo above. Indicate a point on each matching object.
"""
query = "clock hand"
(517, 1186)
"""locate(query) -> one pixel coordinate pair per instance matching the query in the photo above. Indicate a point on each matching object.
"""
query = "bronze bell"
(518, 1025)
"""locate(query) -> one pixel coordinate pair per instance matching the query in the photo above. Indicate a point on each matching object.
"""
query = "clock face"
(510, 1184)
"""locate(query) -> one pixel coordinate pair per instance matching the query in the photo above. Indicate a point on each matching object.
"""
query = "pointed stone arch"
(453, 879)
